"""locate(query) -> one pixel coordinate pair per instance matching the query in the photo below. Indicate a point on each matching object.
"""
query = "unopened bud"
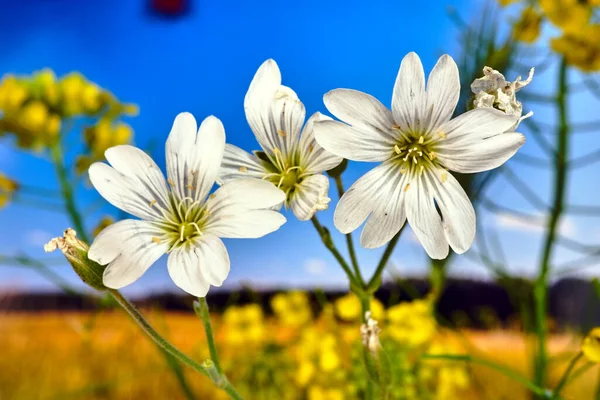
(76, 253)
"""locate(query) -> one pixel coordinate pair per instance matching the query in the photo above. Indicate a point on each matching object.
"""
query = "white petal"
(195, 268)
(409, 94)
(251, 194)
(389, 214)
(194, 159)
(128, 249)
(443, 90)
(135, 163)
(125, 192)
(240, 223)
(352, 143)
(238, 163)
(458, 215)
(313, 158)
(481, 155)
(361, 111)
(310, 196)
(273, 111)
(424, 219)
(474, 125)
(361, 198)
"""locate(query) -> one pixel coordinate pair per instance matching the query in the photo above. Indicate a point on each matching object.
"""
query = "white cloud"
(533, 225)
(315, 266)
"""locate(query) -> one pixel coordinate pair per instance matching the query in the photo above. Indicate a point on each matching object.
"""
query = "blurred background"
(79, 77)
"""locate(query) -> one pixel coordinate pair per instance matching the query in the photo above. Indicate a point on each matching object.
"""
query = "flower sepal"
(76, 252)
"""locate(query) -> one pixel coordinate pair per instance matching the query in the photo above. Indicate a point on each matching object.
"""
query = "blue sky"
(203, 63)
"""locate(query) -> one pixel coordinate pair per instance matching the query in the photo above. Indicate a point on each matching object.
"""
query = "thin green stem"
(564, 378)
(385, 258)
(57, 156)
(349, 241)
(508, 372)
(328, 242)
(207, 368)
(202, 311)
(560, 178)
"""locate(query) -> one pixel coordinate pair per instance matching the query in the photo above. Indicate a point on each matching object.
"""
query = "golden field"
(104, 355)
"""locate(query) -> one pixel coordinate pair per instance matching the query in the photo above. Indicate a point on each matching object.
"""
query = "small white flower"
(493, 91)
(292, 160)
(417, 143)
(176, 216)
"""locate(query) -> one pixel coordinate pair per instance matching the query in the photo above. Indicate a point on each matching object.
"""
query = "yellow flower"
(412, 323)
(527, 28)
(292, 308)
(91, 98)
(7, 188)
(329, 360)
(348, 308)
(53, 126)
(304, 374)
(243, 325)
(104, 135)
(581, 48)
(13, 94)
(103, 223)
(569, 15)
(320, 393)
(591, 346)
(34, 116)
(72, 86)
(45, 82)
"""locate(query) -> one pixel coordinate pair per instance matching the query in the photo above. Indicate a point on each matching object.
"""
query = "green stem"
(490, 364)
(560, 177)
(57, 156)
(202, 311)
(385, 258)
(349, 241)
(328, 242)
(564, 379)
(207, 368)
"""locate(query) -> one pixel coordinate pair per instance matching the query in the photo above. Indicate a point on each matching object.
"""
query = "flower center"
(415, 153)
(184, 224)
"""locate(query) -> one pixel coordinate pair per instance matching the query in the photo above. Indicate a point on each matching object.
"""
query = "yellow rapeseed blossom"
(7, 188)
(591, 346)
(34, 116)
(71, 87)
(411, 323)
(292, 308)
(348, 308)
(13, 94)
(580, 48)
(569, 15)
(44, 83)
(243, 325)
(527, 28)
(447, 377)
(324, 393)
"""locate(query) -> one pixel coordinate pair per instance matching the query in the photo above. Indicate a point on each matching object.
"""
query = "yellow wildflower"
(103, 223)
(348, 308)
(412, 323)
(320, 393)
(13, 94)
(34, 116)
(243, 325)
(569, 15)
(591, 346)
(329, 360)
(581, 48)
(292, 308)
(7, 188)
(91, 98)
(304, 374)
(527, 28)
(45, 82)
(72, 86)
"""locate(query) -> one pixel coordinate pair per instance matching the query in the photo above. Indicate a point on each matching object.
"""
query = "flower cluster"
(35, 108)
(321, 358)
(580, 33)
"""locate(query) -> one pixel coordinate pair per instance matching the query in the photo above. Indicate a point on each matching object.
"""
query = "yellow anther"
(431, 155)
(156, 239)
(276, 150)
(171, 182)
(280, 133)
(403, 170)
(243, 169)
(152, 202)
(415, 160)
(397, 149)
(311, 147)
(421, 139)
(191, 187)
(406, 187)
(444, 177)
(442, 135)
(395, 126)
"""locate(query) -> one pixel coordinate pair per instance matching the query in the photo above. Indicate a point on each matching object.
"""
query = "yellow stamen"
(442, 135)
(444, 177)
(280, 133)
(243, 169)
(310, 148)
(397, 149)
(152, 202)
(432, 155)
(406, 187)
(395, 126)
(156, 239)
(191, 187)
(171, 182)
(421, 139)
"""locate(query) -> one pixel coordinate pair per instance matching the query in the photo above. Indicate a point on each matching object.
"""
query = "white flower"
(291, 160)
(176, 216)
(416, 143)
(492, 90)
